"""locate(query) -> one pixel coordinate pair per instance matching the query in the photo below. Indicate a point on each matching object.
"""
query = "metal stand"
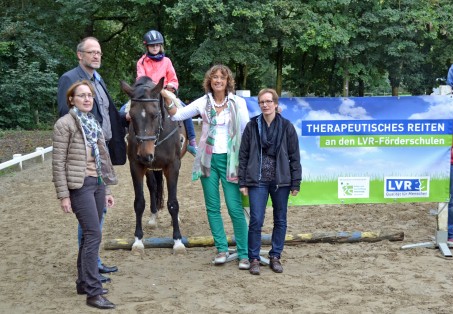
(441, 238)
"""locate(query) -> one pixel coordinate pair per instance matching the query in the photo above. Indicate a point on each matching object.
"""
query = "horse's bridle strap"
(145, 138)
(164, 139)
(145, 100)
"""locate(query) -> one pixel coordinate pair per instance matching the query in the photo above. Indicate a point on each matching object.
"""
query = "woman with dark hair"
(224, 117)
(82, 169)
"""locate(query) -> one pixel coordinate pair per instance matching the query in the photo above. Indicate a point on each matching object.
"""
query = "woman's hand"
(166, 96)
(294, 192)
(65, 204)
(244, 191)
(109, 201)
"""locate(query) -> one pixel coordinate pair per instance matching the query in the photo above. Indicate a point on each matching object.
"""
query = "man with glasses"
(113, 124)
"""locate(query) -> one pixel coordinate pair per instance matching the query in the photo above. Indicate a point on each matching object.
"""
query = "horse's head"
(147, 115)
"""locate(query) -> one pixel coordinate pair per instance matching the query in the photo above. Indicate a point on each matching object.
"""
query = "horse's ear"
(126, 88)
(160, 85)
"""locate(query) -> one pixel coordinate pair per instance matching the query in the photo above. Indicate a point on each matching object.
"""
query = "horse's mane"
(140, 86)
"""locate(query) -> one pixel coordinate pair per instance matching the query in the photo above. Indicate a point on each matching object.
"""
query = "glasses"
(267, 102)
(89, 96)
(93, 53)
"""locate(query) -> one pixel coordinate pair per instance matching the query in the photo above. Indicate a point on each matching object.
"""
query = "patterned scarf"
(92, 131)
(202, 163)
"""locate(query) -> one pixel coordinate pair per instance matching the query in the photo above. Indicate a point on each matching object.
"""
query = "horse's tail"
(159, 186)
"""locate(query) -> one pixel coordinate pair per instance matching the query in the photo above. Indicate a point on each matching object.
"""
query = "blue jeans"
(80, 233)
(258, 199)
(450, 206)
(188, 123)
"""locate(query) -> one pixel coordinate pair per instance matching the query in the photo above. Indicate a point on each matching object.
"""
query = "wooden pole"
(317, 237)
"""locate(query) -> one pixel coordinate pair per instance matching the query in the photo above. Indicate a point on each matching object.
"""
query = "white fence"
(18, 158)
(40, 151)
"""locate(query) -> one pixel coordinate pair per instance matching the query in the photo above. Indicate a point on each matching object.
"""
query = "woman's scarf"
(271, 136)
(157, 57)
(202, 163)
(93, 132)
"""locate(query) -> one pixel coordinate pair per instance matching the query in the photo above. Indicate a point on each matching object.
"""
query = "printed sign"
(371, 149)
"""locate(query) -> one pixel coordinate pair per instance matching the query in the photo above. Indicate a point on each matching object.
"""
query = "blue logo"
(406, 185)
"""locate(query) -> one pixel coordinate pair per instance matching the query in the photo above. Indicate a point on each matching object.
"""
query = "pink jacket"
(157, 69)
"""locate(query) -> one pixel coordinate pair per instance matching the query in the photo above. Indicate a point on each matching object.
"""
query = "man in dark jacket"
(113, 124)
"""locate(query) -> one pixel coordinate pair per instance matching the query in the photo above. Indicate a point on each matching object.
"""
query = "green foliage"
(301, 47)
(27, 95)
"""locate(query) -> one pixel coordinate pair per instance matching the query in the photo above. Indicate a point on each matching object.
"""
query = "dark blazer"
(117, 144)
(288, 168)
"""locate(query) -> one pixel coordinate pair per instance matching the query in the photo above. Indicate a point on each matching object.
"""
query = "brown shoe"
(274, 263)
(255, 267)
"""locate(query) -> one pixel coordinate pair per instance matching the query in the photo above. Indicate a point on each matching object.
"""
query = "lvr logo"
(400, 185)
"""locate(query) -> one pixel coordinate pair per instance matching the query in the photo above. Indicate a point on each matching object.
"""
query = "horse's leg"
(171, 174)
(150, 181)
(137, 173)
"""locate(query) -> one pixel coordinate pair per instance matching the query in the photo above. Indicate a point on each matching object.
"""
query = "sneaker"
(450, 240)
(244, 264)
(192, 149)
(221, 258)
(275, 265)
(255, 267)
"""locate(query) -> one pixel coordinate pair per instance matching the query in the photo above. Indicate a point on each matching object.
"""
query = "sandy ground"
(38, 259)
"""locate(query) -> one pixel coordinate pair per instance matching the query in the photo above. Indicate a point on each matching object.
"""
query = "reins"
(141, 139)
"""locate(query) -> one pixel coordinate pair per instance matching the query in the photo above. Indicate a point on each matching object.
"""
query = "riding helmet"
(153, 37)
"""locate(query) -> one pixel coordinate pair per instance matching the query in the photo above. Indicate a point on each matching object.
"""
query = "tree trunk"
(395, 90)
(331, 78)
(346, 80)
(395, 78)
(278, 83)
(36, 117)
(361, 88)
(241, 76)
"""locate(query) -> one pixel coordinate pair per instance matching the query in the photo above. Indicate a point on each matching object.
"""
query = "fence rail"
(18, 158)
(40, 151)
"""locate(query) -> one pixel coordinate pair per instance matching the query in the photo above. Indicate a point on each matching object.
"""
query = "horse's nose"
(149, 158)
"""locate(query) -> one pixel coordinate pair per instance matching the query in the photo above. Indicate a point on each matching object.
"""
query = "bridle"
(155, 138)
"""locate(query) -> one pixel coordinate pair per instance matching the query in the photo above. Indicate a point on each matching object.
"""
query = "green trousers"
(233, 199)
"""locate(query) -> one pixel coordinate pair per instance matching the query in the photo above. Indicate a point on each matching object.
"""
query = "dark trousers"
(258, 197)
(87, 204)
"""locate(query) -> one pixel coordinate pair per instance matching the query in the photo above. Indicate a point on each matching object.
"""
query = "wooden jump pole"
(316, 237)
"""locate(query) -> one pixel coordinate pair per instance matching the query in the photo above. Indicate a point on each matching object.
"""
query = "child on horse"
(156, 65)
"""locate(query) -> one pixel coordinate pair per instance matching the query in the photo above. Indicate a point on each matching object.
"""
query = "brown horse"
(154, 147)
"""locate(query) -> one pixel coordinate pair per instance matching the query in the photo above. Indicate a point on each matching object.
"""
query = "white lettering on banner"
(373, 127)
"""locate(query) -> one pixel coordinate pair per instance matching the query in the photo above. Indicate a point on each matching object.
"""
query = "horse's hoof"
(179, 248)
(152, 222)
(138, 250)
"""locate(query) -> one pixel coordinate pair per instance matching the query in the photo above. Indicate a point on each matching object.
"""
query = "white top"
(197, 107)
